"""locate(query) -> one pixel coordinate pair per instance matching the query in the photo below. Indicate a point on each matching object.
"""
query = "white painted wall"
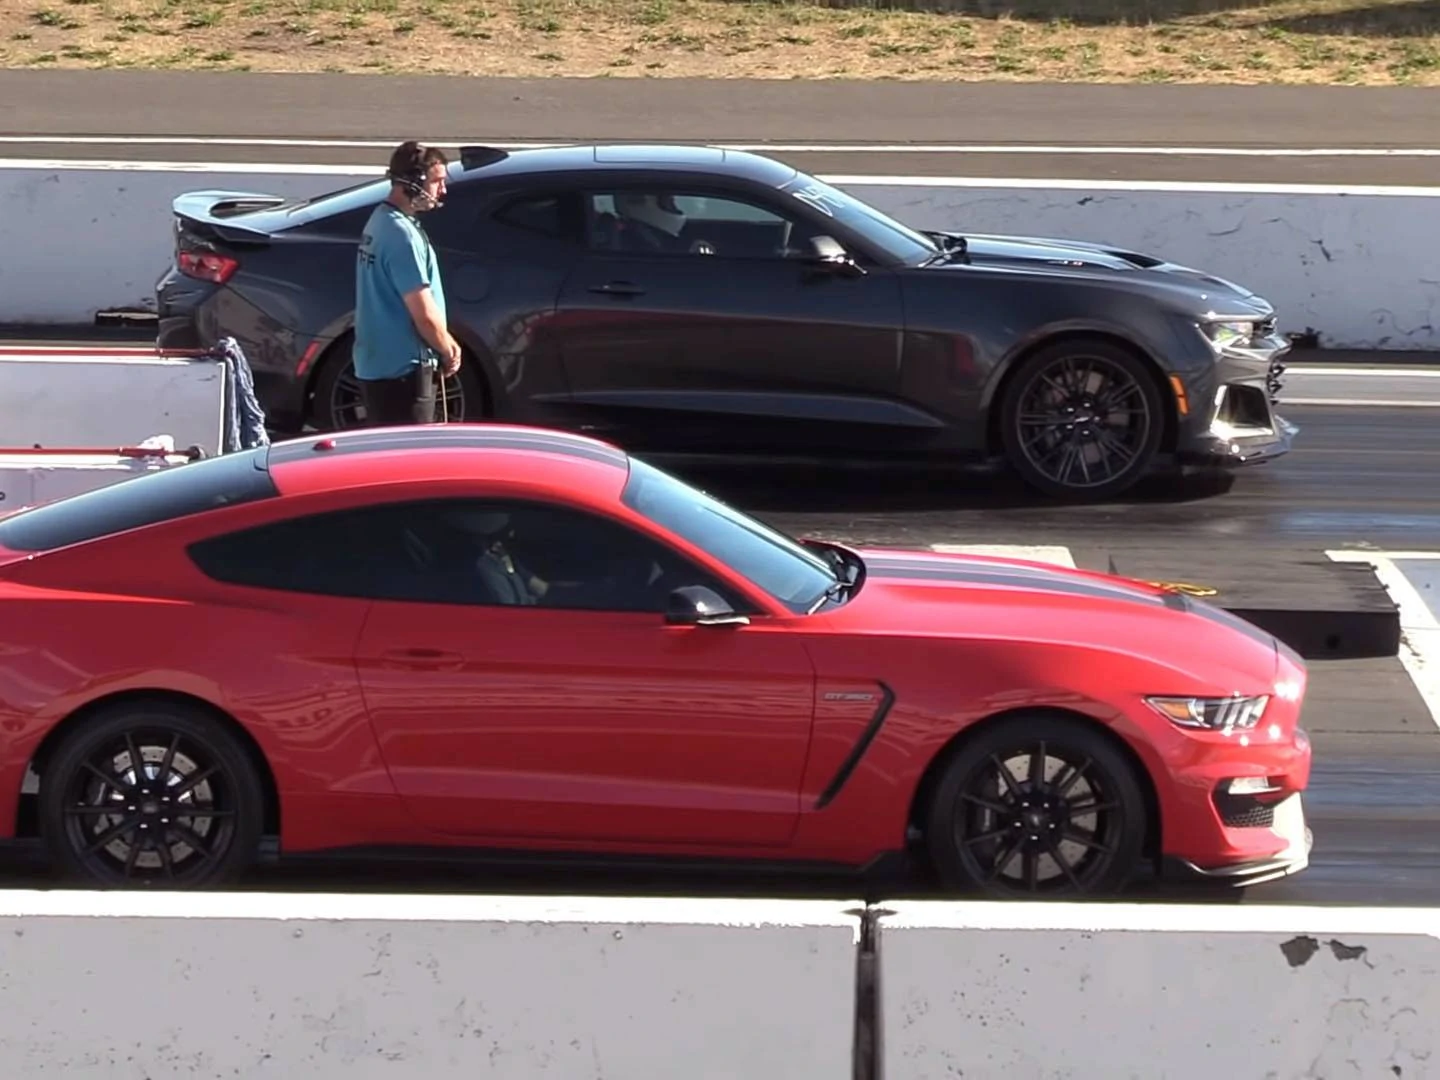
(97, 987)
(369, 987)
(29, 479)
(99, 400)
(1159, 992)
(1353, 265)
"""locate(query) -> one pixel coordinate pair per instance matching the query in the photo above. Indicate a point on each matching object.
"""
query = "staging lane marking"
(1419, 628)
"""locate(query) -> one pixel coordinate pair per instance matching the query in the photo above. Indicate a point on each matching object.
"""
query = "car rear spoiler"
(220, 214)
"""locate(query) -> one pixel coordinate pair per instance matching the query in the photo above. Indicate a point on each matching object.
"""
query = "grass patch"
(1366, 42)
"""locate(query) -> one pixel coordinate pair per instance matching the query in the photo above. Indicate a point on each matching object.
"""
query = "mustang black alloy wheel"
(1081, 419)
(1037, 806)
(151, 793)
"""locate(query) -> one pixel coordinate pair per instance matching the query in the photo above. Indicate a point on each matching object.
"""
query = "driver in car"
(649, 222)
(501, 574)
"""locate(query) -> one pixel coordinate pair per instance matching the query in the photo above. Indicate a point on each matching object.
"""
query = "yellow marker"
(1184, 587)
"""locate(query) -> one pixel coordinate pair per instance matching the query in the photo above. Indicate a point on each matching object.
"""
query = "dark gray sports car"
(686, 300)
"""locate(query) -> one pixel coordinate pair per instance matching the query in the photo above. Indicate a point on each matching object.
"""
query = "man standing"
(401, 337)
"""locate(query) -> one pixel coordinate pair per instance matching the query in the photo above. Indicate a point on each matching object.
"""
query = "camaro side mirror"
(827, 253)
(695, 605)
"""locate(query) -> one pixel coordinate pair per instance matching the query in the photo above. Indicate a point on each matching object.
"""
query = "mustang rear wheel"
(1037, 806)
(153, 793)
(1081, 420)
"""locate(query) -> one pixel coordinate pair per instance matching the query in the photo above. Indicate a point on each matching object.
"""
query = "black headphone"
(413, 178)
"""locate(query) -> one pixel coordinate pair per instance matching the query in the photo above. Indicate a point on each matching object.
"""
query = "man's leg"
(389, 402)
(425, 400)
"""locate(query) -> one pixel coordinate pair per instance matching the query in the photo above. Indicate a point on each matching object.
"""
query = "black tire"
(337, 405)
(1069, 384)
(977, 818)
(202, 850)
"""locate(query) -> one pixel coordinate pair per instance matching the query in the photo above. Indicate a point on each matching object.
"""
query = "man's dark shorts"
(410, 399)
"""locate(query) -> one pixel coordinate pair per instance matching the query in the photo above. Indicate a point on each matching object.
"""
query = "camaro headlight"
(1212, 714)
(1224, 334)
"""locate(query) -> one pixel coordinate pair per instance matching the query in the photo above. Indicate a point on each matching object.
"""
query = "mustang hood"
(1077, 256)
(938, 596)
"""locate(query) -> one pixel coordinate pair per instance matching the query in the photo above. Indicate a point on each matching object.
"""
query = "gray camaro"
(694, 301)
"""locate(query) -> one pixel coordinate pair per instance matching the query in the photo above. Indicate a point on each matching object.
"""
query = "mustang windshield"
(897, 240)
(779, 565)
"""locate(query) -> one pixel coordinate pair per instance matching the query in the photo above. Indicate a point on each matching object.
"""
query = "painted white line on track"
(279, 168)
(1419, 630)
(762, 147)
(1417, 372)
(1359, 403)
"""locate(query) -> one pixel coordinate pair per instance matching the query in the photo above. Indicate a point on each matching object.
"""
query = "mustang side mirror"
(827, 253)
(695, 605)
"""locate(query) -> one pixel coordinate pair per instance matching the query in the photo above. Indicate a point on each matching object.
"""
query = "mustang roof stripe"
(441, 437)
(1025, 577)
(1019, 576)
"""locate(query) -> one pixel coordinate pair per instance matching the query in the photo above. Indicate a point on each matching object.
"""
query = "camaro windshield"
(897, 240)
(773, 561)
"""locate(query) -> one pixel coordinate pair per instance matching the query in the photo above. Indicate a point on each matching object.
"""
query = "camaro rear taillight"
(207, 266)
(1212, 714)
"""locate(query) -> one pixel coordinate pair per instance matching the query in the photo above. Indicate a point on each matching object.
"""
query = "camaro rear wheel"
(1039, 807)
(151, 793)
(1081, 419)
(338, 406)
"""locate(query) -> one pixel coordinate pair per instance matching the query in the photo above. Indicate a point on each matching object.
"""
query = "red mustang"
(494, 637)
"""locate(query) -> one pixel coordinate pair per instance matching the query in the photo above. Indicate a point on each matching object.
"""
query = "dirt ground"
(1297, 41)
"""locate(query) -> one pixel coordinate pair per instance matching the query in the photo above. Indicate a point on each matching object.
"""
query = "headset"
(413, 178)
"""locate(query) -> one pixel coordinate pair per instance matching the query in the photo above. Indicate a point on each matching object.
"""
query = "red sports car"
(493, 637)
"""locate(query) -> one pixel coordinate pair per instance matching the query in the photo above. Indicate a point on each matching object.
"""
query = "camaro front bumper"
(1236, 418)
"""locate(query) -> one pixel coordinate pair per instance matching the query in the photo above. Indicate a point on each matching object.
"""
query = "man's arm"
(421, 305)
(406, 267)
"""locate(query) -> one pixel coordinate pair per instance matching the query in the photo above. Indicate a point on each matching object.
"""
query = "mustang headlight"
(1212, 714)
(1225, 334)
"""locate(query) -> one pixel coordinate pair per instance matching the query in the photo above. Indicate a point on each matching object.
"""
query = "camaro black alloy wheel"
(151, 794)
(1082, 420)
(339, 407)
(1039, 807)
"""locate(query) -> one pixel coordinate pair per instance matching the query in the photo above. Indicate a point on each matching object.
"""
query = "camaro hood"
(1070, 257)
(934, 595)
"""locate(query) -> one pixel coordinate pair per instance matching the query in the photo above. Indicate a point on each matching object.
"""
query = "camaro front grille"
(1273, 383)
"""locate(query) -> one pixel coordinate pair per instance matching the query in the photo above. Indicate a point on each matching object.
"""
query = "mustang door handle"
(619, 288)
(428, 659)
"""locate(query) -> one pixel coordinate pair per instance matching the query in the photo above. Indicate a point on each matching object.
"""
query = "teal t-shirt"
(395, 257)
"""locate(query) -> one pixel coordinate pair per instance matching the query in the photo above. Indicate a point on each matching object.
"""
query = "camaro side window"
(660, 221)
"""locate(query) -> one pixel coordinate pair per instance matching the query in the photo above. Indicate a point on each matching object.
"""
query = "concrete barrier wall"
(514, 988)
(1350, 264)
(1153, 992)
(419, 988)
(108, 398)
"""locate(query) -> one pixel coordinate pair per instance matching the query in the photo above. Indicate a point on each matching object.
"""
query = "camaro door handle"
(426, 659)
(619, 288)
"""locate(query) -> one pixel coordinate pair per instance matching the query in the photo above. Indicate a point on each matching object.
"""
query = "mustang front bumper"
(1288, 822)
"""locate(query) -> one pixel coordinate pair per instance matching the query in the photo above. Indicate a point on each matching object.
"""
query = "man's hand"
(451, 363)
